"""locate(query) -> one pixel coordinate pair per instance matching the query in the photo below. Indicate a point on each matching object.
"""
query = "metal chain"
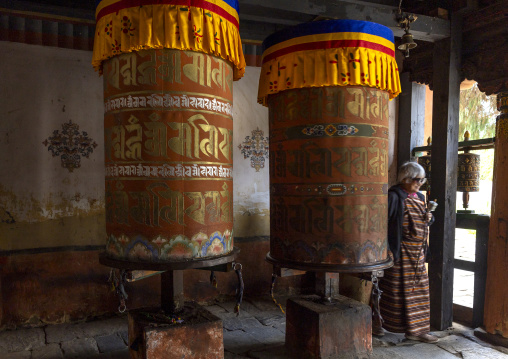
(118, 285)
(375, 298)
(239, 291)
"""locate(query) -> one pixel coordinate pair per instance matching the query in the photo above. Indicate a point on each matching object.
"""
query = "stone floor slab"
(228, 355)
(119, 354)
(267, 335)
(250, 339)
(124, 334)
(419, 351)
(63, 333)
(21, 339)
(50, 351)
(110, 343)
(80, 348)
(19, 355)
(468, 349)
(216, 309)
(244, 324)
(271, 319)
(272, 352)
(267, 305)
(240, 342)
(105, 327)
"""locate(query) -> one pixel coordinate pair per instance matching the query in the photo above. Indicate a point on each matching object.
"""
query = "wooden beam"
(445, 125)
(425, 28)
(411, 124)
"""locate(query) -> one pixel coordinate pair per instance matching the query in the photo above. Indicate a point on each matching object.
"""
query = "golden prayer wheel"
(468, 174)
(168, 127)
(425, 162)
(327, 85)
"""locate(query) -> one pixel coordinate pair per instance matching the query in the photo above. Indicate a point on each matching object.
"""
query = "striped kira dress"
(405, 304)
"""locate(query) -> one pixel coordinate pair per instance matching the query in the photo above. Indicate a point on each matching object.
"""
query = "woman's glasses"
(420, 180)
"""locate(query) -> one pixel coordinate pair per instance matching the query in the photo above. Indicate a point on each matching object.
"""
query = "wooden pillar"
(445, 126)
(496, 292)
(411, 124)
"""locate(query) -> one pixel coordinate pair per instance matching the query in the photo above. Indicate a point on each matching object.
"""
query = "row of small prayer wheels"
(169, 130)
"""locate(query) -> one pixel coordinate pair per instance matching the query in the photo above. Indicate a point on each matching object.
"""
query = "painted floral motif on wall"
(256, 148)
(70, 145)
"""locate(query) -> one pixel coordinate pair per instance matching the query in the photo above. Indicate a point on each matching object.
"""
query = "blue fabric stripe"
(233, 3)
(326, 27)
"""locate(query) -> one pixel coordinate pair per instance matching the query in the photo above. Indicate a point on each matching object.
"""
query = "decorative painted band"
(331, 189)
(335, 130)
(176, 247)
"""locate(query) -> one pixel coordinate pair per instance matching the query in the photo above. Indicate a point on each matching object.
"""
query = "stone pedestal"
(152, 335)
(340, 329)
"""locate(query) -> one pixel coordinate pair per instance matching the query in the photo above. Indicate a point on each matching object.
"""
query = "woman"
(405, 304)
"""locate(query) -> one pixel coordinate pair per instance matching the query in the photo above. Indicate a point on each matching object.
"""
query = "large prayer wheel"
(168, 127)
(327, 85)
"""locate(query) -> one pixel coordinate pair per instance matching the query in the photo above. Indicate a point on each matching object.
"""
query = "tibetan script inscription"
(313, 161)
(151, 68)
(194, 138)
(318, 216)
(158, 204)
(310, 104)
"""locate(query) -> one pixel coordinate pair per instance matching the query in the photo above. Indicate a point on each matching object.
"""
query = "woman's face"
(414, 185)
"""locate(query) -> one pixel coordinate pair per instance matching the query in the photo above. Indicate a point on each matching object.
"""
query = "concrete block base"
(153, 336)
(339, 330)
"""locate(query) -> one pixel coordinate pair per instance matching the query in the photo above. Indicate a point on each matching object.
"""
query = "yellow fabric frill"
(345, 66)
(169, 26)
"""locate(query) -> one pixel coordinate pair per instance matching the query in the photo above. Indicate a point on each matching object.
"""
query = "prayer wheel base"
(152, 334)
(331, 268)
(174, 265)
(340, 329)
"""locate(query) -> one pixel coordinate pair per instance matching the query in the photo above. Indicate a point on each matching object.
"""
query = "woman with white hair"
(405, 304)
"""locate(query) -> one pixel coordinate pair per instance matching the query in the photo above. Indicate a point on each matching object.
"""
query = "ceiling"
(260, 18)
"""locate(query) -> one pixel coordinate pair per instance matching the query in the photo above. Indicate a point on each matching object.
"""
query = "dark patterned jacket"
(396, 197)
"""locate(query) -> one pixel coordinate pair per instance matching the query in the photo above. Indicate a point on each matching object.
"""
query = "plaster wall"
(43, 204)
(251, 177)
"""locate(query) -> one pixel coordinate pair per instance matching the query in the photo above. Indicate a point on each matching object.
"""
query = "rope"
(274, 277)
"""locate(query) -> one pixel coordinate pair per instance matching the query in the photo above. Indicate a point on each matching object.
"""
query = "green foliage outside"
(477, 114)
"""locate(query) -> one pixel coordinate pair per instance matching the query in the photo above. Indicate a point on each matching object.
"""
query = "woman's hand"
(428, 216)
